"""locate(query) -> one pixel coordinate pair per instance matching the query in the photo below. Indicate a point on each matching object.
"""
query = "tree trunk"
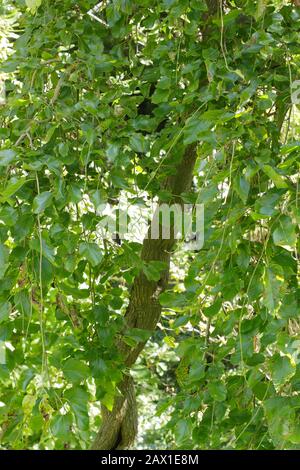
(119, 427)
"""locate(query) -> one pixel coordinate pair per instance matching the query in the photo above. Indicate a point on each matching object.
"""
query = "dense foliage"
(103, 106)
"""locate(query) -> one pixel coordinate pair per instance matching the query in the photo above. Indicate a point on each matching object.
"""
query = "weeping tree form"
(184, 101)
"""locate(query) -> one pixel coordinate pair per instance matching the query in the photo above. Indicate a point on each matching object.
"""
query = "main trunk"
(119, 427)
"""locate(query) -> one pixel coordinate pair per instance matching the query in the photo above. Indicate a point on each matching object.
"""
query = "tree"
(186, 102)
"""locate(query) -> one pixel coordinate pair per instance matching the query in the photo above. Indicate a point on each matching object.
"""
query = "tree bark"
(119, 427)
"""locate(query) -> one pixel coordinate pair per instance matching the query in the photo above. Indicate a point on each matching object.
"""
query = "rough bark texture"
(119, 427)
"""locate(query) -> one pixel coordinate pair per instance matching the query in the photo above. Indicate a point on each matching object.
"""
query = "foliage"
(97, 109)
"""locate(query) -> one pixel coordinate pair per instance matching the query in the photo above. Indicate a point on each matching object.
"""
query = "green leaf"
(199, 127)
(92, 252)
(265, 205)
(101, 313)
(98, 197)
(277, 179)
(28, 403)
(118, 180)
(76, 371)
(242, 187)
(46, 271)
(217, 391)
(164, 83)
(139, 143)
(74, 193)
(160, 95)
(108, 401)
(282, 369)
(26, 377)
(112, 151)
(33, 5)
(61, 426)
(7, 156)
(23, 302)
(13, 186)
(4, 311)
(281, 418)
(285, 234)
(9, 215)
(77, 399)
(180, 321)
(4, 254)
(137, 335)
(271, 289)
(211, 311)
(153, 270)
(183, 430)
(174, 300)
(197, 372)
(41, 202)
(170, 341)
(48, 251)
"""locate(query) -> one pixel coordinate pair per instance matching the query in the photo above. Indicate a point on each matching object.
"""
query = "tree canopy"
(176, 101)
